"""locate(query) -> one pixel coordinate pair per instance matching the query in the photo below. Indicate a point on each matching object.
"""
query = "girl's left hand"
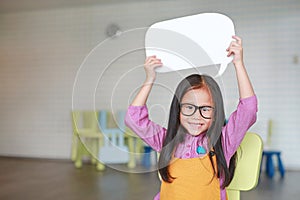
(235, 48)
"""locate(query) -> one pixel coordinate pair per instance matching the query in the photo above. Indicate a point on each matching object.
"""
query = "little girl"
(197, 150)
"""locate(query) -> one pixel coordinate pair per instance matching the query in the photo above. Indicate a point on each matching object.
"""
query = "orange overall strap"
(194, 180)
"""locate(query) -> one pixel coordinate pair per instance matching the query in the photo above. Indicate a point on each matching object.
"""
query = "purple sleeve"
(137, 119)
(238, 124)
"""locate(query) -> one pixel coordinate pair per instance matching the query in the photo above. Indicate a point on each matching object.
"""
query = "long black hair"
(176, 133)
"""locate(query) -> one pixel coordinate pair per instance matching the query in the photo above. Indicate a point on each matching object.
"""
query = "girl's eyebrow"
(208, 104)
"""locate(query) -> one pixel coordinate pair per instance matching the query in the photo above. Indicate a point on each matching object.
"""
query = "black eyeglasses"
(188, 109)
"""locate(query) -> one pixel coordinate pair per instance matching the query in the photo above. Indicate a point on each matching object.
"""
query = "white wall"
(42, 56)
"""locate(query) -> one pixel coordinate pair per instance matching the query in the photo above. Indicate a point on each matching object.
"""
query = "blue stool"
(146, 160)
(270, 165)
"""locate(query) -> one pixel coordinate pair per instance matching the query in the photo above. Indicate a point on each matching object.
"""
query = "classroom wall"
(59, 58)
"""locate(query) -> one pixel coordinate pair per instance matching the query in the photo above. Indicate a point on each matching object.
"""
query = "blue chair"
(146, 160)
(270, 168)
(113, 149)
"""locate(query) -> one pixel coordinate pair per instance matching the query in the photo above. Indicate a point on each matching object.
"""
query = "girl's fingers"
(153, 62)
(236, 43)
(238, 39)
(234, 46)
(234, 50)
(150, 58)
(229, 53)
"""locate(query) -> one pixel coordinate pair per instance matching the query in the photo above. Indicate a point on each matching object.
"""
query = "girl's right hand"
(151, 63)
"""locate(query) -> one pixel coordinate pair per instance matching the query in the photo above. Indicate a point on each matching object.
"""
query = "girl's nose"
(197, 114)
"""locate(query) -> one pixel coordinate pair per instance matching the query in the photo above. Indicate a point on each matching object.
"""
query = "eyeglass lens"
(190, 109)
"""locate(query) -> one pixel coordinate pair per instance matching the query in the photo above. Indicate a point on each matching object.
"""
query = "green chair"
(134, 142)
(269, 153)
(87, 138)
(246, 176)
(135, 146)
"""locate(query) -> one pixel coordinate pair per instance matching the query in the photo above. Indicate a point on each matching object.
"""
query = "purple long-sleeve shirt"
(232, 133)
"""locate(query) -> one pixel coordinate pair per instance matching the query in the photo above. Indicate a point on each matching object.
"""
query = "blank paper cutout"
(191, 41)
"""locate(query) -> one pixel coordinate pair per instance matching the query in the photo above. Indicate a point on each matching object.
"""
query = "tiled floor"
(55, 179)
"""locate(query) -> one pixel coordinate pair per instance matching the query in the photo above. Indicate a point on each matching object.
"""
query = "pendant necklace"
(200, 150)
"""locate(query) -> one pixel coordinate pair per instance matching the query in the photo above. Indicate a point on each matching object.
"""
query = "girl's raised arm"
(244, 83)
(150, 64)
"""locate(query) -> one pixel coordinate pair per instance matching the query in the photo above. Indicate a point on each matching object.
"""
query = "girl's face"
(196, 123)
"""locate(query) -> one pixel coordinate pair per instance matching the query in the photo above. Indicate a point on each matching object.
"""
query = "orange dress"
(194, 180)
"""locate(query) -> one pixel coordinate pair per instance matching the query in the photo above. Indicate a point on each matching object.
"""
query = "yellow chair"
(247, 171)
(135, 145)
(134, 142)
(269, 153)
(87, 138)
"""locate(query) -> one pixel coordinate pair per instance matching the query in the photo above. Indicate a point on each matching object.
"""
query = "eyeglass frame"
(195, 109)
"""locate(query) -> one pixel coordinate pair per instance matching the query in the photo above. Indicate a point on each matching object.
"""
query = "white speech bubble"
(191, 41)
